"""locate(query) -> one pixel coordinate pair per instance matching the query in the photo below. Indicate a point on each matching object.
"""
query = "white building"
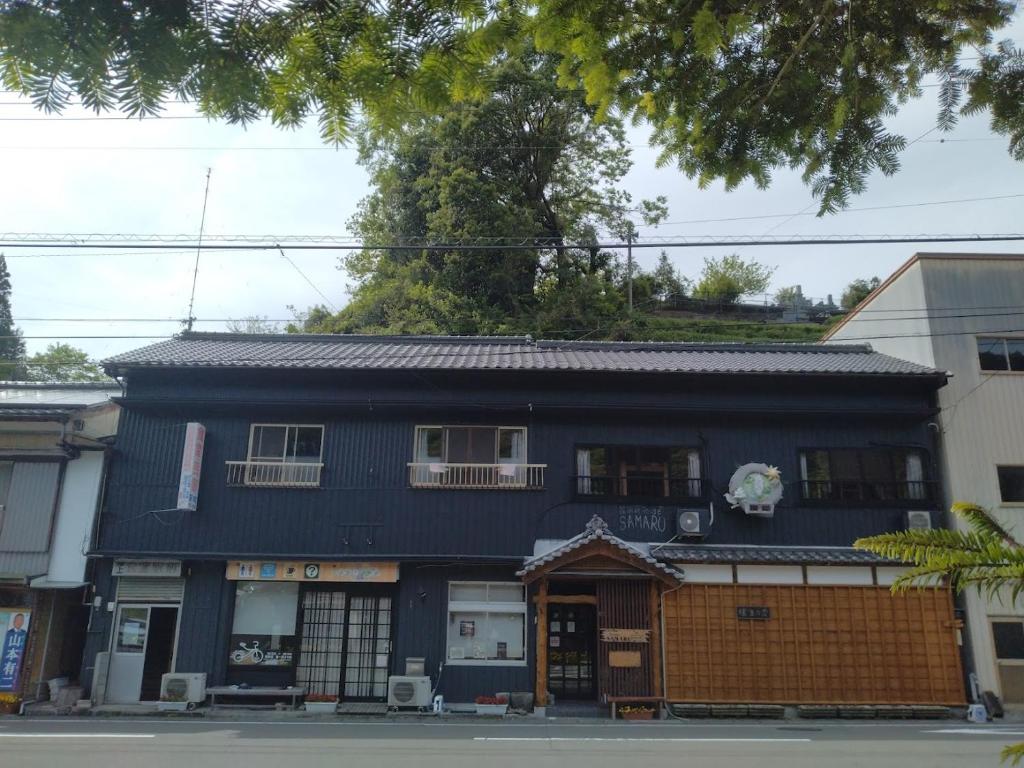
(965, 313)
(55, 442)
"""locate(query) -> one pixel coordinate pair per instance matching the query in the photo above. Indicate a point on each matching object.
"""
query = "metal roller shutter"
(139, 589)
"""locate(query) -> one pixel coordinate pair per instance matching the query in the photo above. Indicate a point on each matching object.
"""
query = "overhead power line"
(316, 243)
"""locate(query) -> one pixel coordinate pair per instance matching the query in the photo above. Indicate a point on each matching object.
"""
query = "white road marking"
(978, 731)
(601, 738)
(77, 735)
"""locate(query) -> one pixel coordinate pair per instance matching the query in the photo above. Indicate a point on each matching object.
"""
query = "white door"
(128, 654)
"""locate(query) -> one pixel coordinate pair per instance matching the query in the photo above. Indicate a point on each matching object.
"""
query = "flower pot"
(172, 706)
(491, 709)
(321, 707)
(642, 715)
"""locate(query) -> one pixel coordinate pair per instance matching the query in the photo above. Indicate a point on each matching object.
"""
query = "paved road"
(110, 743)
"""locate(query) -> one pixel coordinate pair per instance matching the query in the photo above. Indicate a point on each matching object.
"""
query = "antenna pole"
(199, 248)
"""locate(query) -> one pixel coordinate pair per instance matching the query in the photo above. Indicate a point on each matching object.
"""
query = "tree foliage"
(64, 363)
(732, 90)
(857, 291)
(725, 280)
(555, 182)
(986, 557)
(12, 346)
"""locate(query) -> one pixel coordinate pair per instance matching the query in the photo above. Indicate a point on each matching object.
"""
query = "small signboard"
(625, 635)
(754, 612)
(191, 466)
(170, 569)
(624, 659)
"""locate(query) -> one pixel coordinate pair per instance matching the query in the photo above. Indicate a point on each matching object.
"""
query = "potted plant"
(491, 705)
(321, 703)
(636, 712)
(173, 701)
(10, 703)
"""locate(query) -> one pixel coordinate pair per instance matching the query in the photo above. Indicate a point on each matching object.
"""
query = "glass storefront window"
(263, 632)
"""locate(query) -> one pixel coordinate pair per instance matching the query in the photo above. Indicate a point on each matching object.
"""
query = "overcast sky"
(57, 179)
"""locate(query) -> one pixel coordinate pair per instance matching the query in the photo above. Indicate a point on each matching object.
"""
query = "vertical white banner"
(191, 466)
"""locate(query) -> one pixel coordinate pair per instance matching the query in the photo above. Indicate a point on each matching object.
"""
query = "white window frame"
(284, 456)
(498, 428)
(992, 638)
(487, 607)
(1003, 337)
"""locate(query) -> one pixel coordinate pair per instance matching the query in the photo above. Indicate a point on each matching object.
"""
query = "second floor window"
(1000, 354)
(638, 472)
(863, 475)
(286, 443)
(286, 455)
(471, 445)
(472, 457)
(1011, 484)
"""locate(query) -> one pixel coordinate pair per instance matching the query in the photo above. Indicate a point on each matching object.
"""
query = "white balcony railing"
(478, 476)
(274, 474)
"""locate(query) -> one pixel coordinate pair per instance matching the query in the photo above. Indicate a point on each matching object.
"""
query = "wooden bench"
(293, 692)
(661, 701)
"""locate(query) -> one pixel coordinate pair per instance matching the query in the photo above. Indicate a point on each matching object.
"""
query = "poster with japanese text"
(14, 627)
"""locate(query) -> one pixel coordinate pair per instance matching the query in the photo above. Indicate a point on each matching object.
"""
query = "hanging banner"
(14, 623)
(191, 466)
(276, 570)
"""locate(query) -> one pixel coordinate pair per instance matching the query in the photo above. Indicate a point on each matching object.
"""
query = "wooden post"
(541, 692)
(655, 644)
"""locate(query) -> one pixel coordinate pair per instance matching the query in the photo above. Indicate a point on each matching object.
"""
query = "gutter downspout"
(46, 645)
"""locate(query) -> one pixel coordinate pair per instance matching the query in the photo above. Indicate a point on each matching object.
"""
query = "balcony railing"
(618, 487)
(477, 476)
(867, 492)
(274, 474)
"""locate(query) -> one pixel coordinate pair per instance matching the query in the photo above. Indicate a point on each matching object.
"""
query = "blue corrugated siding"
(366, 509)
(422, 626)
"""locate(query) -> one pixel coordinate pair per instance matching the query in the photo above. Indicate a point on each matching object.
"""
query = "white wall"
(696, 573)
(769, 574)
(839, 574)
(75, 511)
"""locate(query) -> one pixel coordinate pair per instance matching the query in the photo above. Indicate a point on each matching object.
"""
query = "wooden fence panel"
(821, 644)
(623, 604)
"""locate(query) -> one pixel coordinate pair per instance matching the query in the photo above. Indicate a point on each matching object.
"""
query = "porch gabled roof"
(597, 537)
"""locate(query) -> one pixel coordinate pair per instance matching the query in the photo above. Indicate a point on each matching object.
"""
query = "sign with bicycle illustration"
(261, 651)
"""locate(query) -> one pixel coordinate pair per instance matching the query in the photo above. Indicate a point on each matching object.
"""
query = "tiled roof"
(712, 553)
(35, 414)
(596, 530)
(512, 353)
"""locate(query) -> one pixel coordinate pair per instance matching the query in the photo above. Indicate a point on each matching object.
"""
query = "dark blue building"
(364, 500)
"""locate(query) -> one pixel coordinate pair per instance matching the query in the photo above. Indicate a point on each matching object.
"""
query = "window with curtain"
(263, 628)
(863, 474)
(643, 472)
(470, 445)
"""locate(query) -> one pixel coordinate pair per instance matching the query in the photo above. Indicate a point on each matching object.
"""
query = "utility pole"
(629, 265)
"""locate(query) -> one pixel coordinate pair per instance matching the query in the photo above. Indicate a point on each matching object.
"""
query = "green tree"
(668, 283)
(12, 346)
(787, 296)
(732, 91)
(529, 165)
(725, 280)
(252, 324)
(857, 291)
(986, 557)
(63, 362)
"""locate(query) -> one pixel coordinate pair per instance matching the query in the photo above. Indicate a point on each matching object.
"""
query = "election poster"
(13, 638)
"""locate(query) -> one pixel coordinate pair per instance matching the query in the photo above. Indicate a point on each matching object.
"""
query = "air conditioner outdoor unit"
(919, 520)
(690, 522)
(404, 691)
(183, 686)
